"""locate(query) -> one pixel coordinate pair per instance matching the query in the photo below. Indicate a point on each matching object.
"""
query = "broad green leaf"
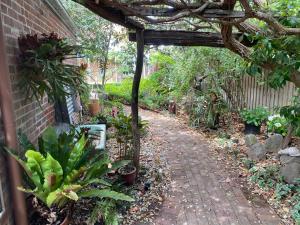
(96, 181)
(99, 168)
(52, 173)
(57, 196)
(20, 161)
(53, 197)
(106, 193)
(119, 164)
(74, 175)
(50, 142)
(76, 153)
(26, 190)
(71, 195)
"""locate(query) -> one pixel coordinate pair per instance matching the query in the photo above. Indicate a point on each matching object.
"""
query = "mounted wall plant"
(44, 70)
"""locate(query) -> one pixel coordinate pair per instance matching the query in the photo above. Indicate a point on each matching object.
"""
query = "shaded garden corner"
(201, 190)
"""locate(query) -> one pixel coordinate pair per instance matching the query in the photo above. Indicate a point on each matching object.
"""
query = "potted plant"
(253, 119)
(61, 171)
(128, 174)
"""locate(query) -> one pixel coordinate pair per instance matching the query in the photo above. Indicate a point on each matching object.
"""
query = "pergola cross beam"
(184, 38)
(111, 14)
(169, 12)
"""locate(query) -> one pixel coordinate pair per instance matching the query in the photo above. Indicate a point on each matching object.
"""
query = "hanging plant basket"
(43, 70)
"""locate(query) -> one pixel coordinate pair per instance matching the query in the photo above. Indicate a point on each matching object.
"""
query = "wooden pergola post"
(135, 98)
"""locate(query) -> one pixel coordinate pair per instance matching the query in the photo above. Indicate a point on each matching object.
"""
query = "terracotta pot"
(128, 176)
(94, 107)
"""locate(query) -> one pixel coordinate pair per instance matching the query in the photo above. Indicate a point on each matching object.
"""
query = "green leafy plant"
(255, 116)
(123, 133)
(283, 190)
(292, 114)
(207, 108)
(248, 163)
(43, 68)
(60, 170)
(107, 210)
(277, 124)
(103, 118)
(296, 213)
(265, 177)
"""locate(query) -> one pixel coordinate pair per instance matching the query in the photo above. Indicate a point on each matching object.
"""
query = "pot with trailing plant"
(128, 174)
(253, 119)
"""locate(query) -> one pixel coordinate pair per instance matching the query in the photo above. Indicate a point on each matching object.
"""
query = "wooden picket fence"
(249, 93)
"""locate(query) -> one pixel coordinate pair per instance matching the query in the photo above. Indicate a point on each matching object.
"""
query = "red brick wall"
(22, 17)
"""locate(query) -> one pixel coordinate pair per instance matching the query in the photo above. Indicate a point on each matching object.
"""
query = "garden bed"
(230, 148)
(152, 184)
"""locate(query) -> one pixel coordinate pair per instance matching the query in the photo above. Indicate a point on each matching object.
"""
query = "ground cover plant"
(267, 177)
(255, 116)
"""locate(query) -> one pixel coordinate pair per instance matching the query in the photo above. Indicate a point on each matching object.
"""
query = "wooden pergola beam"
(186, 38)
(111, 14)
(169, 12)
(180, 38)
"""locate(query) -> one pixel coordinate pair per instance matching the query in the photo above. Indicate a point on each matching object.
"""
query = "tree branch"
(268, 18)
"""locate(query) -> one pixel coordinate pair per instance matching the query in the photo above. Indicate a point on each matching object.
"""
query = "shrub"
(151, 94)
(292, 114)
(255, 116)
(277, 124)
(283, 190)
(123, 133)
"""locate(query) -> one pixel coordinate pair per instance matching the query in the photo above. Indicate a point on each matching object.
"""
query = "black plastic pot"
(251, 129)
(102, 122)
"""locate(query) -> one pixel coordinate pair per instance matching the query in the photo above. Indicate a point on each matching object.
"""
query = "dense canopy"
(234, 24)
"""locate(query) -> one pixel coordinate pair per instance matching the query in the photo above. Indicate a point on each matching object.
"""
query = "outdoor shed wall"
(27, 17)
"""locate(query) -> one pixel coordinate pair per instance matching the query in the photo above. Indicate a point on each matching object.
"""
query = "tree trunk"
(135, 98)
(288, 137)
(106, 57)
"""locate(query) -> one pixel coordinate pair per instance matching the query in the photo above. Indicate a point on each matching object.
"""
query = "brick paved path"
(200, 194)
